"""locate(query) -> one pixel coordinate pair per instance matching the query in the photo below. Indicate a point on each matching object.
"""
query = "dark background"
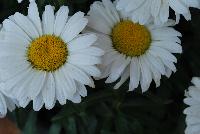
(108, 111)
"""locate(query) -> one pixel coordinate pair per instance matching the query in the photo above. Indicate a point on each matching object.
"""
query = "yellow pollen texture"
(131, 39)
(47, 53)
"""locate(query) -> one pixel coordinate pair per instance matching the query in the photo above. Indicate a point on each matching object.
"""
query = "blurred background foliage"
(108, 111)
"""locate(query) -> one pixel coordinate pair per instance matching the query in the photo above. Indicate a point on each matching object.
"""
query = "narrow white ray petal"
(23, 102)
(192, 120)
(111, 11)
(162, 53)
(173, 47)
(81, 42)
(196, 81)
(48, 20)
(49, 92)
(91, 70)
(25, 23)
(162, 32)
(21, 88)
(34, 16)
(123, 3)
(59, 92)
(76, 98)
(156, 75)
(11, 103)
(36, 84)
(191, 101)
(146, 76)
(74, 26)
(178, 7)
(3, 107)
(98, 9)
(93, 51)
(168, 72)
(156, 62)
(124, 77)
(9, 71)
(155, 7)
(16, 39)
(134, 74)
(66, 86)
(117, 69)
(10, 26)
(81, 89)
(164, 11)
(77, 75)
(82, 59)
(169, 64)
(38, 102)
(60, 20)
(9, 84)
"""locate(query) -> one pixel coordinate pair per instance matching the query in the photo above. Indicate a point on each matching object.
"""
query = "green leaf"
(70, 126)
(30, 127)
(121, 125)
(66, 111)
(55, 129)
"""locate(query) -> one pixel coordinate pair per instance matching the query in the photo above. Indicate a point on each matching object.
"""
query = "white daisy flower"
(142, 10)
(193, 111)
(47, 60)
(143, 52)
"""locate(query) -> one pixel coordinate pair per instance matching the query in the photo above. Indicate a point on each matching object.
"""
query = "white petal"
(117, 69)
(60, 20)
(76, 98)
(196, 81)
(23, 102)
(81, 42)
(170, 46)
(49, 92)
(10, 26)
(77, 75)
(48, 20)
(91, 70)
(81, 89)
(34, 16)
(3, 107)
(25, 23)
(82, 59)
(93, 51)
(37, 84)
(124, 77)
(64, 84)
(111, 10)
(38, 103)
(156, 62)
(74, 26)
(146, 76)
(134, 74)
(162, 53)
(178, 6)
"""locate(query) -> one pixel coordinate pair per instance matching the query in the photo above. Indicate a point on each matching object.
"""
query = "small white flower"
(141, 52)
(47, 60)
(193, 111)
(142, 10)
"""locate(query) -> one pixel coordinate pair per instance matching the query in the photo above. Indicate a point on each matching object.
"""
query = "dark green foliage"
(108, 111)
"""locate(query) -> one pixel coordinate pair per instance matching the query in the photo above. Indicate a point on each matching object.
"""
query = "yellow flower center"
(47, 53)
(131, 39)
